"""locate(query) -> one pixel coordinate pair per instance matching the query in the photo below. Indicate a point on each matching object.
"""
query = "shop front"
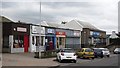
(15, 37)
(50, 39)
(96, 38)
(73, 39)
(37, 38)
(60, 39)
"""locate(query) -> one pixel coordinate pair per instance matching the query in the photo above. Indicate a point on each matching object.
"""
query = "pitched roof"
(86, 25)
(114, 35)
(4, 19)
(53, 24)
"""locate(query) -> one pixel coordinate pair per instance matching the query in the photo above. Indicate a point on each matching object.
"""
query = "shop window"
(37, 41)
(18, 42)
(60, 41)
(57, 43)
(6, 42)
(21, 41)
(33, 40)
(42, 40)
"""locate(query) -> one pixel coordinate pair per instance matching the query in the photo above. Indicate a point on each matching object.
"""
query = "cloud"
(100, 14)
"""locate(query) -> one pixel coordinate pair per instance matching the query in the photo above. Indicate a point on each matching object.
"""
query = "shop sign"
(50, 30)
(95, 34)
(21, 29)
(60, 33)
(42, 30)
(36, 29)
(76, 33)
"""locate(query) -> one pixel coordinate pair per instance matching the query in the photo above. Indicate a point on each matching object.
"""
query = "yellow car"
(86, 53)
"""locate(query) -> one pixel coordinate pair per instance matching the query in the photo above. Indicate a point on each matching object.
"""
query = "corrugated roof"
(44, 23)
(86, 25)
(53, 25)
(4, 19)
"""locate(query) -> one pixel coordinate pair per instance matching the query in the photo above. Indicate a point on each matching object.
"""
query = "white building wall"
(36, 31)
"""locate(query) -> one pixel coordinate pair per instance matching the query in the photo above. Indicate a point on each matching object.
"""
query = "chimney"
(19, 21)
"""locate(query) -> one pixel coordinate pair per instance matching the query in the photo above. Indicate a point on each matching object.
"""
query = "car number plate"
(68, 57)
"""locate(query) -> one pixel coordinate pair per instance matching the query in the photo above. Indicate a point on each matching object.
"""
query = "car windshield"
(67, 50)
(105, 49)
(88, 50)
(117, 49)
(97, 50)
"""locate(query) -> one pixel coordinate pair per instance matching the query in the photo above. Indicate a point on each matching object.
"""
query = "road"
(111, 61)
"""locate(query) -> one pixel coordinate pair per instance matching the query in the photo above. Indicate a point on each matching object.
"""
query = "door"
(26, 43)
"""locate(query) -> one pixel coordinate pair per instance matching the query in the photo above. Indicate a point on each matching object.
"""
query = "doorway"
(26, 43)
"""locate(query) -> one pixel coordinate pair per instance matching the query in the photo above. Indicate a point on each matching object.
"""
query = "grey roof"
(86, 25)
(53, 24)
(44, 23)
(4, 19)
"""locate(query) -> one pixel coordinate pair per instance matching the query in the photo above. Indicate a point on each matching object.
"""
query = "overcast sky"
(103, 15)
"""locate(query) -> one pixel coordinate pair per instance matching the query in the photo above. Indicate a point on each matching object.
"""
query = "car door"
(81, 52)
(58, 54)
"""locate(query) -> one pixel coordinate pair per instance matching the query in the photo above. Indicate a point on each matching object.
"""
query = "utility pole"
(38, 47)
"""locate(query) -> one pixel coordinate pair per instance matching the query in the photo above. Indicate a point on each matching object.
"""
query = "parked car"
(105, 51)
(98, 52)
(117, 51)
(66, 54)
(86, 53)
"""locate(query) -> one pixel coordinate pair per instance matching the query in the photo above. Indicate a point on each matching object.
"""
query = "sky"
(101, 14)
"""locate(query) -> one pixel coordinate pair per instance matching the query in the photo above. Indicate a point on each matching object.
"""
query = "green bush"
(48, 54)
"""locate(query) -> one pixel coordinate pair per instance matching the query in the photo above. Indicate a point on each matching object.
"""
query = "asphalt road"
(111, 61)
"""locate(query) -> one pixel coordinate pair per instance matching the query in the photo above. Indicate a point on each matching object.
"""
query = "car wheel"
(60, 60)
(92, 57)
(101, 56)
(108, 55)
(74, 61)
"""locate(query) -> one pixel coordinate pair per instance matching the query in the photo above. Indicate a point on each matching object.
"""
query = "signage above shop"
(38, 30)
(21, 29)
(76, 33)
(50, 31)
(94, 34)
(60, 34)
(34, 29)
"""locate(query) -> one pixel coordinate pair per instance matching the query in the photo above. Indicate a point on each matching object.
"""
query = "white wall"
(35, 31)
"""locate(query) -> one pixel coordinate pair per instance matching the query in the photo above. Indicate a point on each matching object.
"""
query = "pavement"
(26, 59)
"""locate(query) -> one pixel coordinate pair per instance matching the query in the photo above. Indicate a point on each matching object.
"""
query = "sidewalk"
(26, 59)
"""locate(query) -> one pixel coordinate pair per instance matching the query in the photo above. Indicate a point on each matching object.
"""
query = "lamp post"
(38, 47)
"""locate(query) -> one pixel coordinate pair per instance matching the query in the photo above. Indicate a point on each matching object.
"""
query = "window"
(37, 41)
(18, 41)
(6, 42)
(33, 40)
(60, 39)
(42, 40)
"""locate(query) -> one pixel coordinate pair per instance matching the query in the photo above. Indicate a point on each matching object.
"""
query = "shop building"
(73, 39)
(2, 20)
(37, 38)
(50, 38)
(60, 38)
(90, 35)
(15, 37)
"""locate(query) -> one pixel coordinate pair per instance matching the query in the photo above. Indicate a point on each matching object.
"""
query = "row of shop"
(22, 37)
